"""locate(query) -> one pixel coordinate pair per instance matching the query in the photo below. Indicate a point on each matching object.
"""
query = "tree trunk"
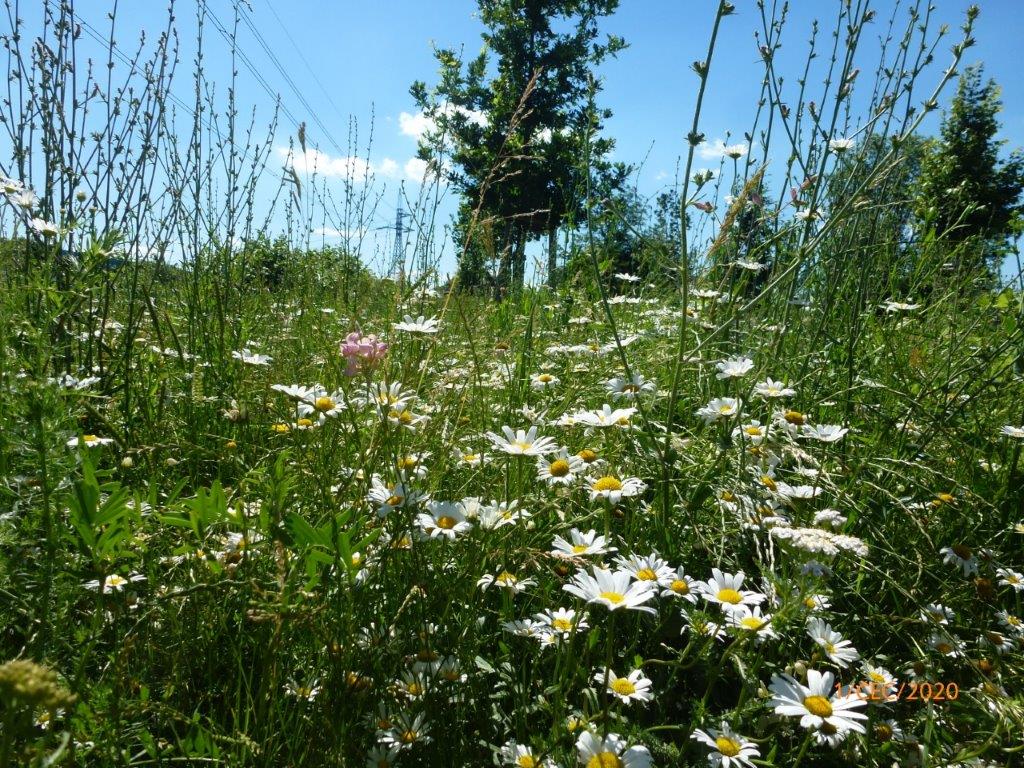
(552, 256)
(519, 261)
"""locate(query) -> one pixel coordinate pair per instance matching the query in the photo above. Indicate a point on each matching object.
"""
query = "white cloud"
(328, 232)
(719, 148)
(414, 125)
(416, 169)
(388, 167)
(419, 125)
(314, 161)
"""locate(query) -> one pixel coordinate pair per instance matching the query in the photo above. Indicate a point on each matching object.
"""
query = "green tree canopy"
(510, 137)
(966, 192)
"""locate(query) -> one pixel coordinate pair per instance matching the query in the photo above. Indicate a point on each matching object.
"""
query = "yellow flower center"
(394, 501)
(523, 446)
(579, 549)
(623, 687)
(725, 409)
(945, 498)
(545, 377)
(613, 597)
(680, 587)
(727, 496)
(794, 417)
(605, 760)
(830, 647)
(646, 574)
(470, 457)
(727, 746)
(414, 689)
(408, 737)
(505, 579)
(753, 431)
(89, 438)
(753, 623)
(324, 404)
(526, 761)
(818, 705)
(559, 468)
(769, 483)
(304, 422)
(280, 428)
(942, 647)
(446, 522)
(562, 625)
(884, 732)
(608, 483)
(587, 455)
(729, 596)
(407, 462)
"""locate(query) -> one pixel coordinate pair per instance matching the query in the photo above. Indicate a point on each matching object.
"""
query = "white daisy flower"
(724, 590)
(507, 581)
(614, 490)
(961, 556)
(841, 652)
(445, 520)
(719, 408)
(613, 589)
(646, 568)
(824, 433)
(562, 621)
(678, 584)
(634, 687)
(1010, 578)
(628, 389)
(817, 703)
(89, 441)
(728, 748)
(605, 417)
(115, 582)
(559, 469)
(521, 442)
(420, 325)
(543, 381)
(771, 389)
(580, 544)
(610, 751)
(521, 756)
(734, 367)
(751, 621)
(249, 357)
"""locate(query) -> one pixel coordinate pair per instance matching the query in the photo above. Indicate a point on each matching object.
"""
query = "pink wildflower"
(362, 352)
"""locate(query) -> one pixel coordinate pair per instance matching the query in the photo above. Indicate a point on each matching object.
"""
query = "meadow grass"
(763, 508)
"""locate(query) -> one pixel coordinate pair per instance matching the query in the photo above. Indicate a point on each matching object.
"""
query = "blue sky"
(357, 59)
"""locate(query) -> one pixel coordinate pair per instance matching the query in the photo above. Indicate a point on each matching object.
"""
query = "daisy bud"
(127, 462)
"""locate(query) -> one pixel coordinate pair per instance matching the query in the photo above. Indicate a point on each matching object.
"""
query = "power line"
(288, 79)
(312, 72)
(233, 42)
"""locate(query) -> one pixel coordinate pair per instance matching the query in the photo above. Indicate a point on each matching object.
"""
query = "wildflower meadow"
(730, 478)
